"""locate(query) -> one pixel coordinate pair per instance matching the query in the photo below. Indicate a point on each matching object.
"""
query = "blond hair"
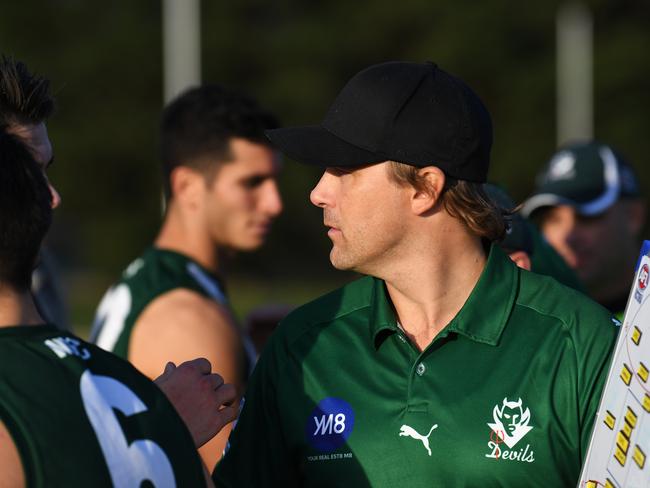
(464, 200)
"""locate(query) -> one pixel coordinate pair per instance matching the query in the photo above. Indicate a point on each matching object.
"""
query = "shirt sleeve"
(257, 453)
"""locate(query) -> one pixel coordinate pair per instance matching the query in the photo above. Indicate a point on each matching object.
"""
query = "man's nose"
(319, 196)
(272, 200)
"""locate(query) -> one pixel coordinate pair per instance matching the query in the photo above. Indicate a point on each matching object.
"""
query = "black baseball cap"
(413, 113)
(588, 176)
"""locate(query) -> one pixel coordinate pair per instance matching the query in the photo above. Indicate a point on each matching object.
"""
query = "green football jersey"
(156, 272)
(82, 417)
(504, 396)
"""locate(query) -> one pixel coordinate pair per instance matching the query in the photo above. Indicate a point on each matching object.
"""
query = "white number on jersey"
(128, 465)
(111, 314)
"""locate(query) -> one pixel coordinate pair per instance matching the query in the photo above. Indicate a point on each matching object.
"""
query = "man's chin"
(248, 245)
(251, 247)
(339, 262)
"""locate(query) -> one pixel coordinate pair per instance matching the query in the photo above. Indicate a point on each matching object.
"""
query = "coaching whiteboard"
(619, 450)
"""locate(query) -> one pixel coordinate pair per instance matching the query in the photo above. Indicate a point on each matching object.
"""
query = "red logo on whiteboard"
(643, 277)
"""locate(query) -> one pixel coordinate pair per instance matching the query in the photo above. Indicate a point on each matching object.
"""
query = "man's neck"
(427, 293)
(175, 235)
(17, 308)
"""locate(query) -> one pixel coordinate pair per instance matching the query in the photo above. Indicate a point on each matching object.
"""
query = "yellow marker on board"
(642, 372)
(627, 429)
(626, 374)
(646, 402)
(636, 335)
(639, 456)
(630, 416)
(622, 442)
(620, 456)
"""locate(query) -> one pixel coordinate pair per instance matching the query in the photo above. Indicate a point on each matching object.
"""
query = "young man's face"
(364, 210)
(242, 200)
(595, 247)
(35, 137)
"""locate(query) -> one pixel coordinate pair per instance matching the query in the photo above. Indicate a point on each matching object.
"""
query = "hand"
(200, 397)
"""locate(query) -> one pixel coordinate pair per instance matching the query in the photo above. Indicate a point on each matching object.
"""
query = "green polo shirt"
(504, 396)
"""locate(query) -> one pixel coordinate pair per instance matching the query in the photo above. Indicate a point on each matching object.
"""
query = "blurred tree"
(105, 62)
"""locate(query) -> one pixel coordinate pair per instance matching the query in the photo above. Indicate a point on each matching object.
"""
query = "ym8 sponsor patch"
(330, 424)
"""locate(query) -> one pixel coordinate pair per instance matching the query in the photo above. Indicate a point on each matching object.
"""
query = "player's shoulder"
(566, 306)
(183, 309)
(157, 271)
(66, 345)
(351, 298)
(44, 346)
(185, 298)
(150, 267)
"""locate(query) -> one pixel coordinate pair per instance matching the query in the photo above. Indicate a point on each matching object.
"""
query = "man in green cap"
(446, 365)
(527, 248)
(588, 205)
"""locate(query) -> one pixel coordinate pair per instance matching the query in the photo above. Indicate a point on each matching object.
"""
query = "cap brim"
(317, 146)
(587, 209)
(541, 200)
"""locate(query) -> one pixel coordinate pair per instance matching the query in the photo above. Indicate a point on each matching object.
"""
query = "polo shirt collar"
(382, 316)
(484, 314)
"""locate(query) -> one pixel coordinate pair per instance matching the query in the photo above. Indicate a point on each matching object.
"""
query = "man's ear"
(521, 259)
(426, 197)
(187, 185)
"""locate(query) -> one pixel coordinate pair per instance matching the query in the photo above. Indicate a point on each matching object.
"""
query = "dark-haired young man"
(72, 414)
(220, 182)
(447, 365)
(25, 106)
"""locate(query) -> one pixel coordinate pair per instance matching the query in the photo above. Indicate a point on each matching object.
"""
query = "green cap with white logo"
(588, 176)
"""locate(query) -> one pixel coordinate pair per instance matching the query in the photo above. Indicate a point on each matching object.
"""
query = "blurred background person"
(518, 241)
(526, 246)
(170, 304)
(587, 204)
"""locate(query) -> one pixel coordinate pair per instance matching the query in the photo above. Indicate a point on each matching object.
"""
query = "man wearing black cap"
(446, 364)
(588, 206)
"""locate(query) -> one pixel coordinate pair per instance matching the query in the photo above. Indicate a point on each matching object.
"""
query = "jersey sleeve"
(257, 453)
